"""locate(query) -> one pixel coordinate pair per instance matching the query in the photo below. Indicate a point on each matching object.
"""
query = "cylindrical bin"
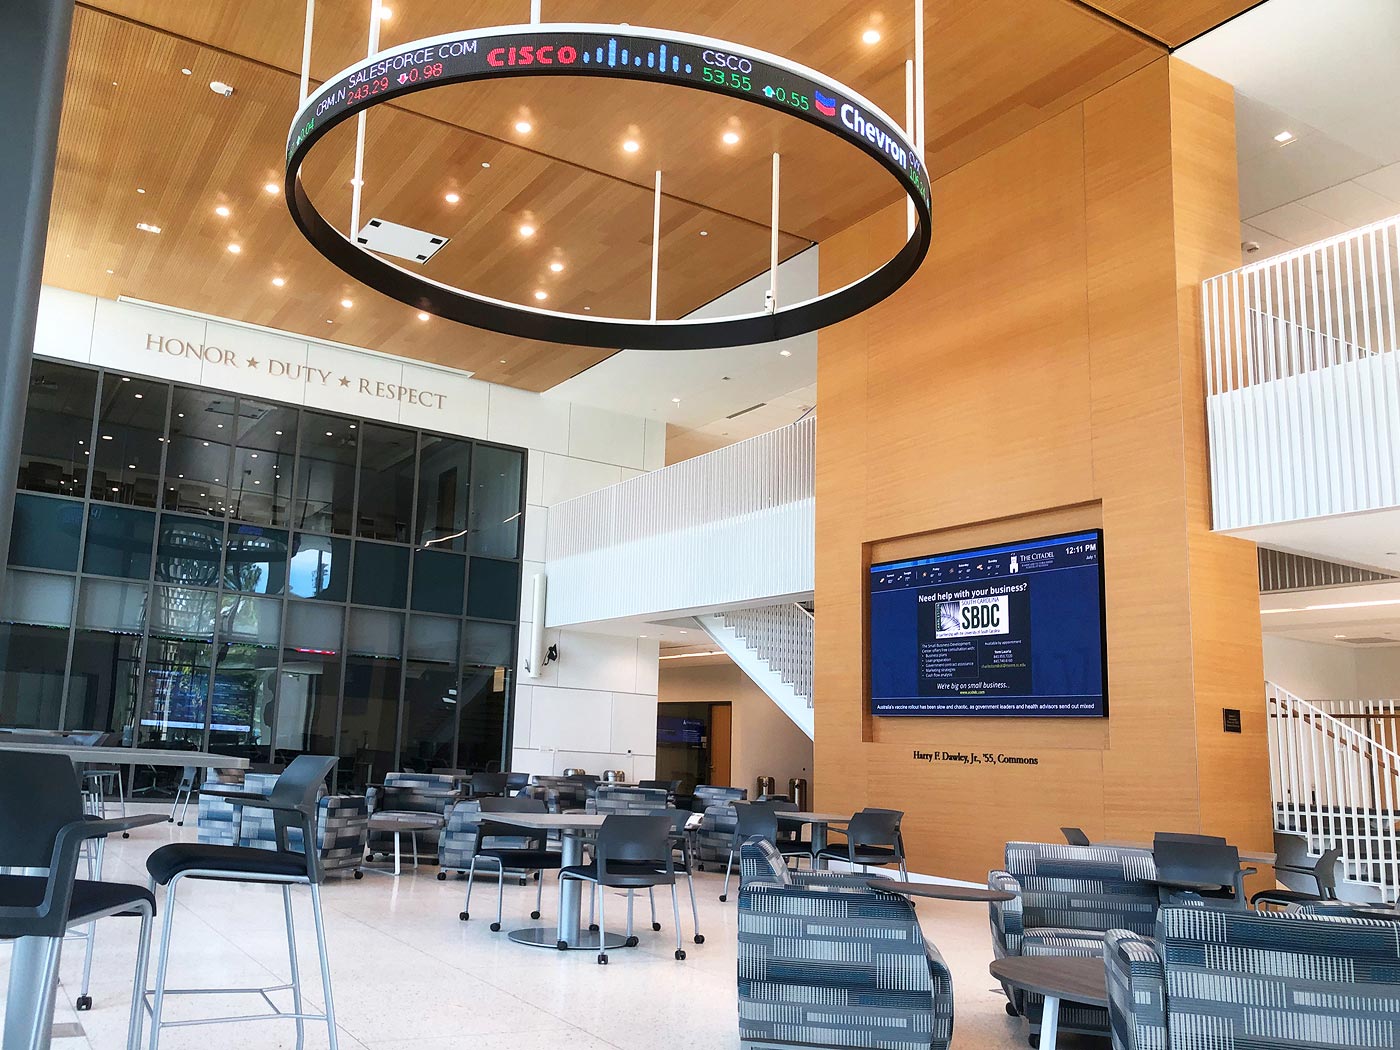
(766, 786)
(797, 791)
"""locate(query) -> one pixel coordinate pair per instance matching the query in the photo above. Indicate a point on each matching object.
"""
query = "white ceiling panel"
(1297, 224)
(1351, 204)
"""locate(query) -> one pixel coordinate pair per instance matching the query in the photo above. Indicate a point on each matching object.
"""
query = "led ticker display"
(610, 51)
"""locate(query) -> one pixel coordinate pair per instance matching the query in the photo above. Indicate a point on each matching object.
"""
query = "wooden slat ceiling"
(132, 119)
(1173, 22)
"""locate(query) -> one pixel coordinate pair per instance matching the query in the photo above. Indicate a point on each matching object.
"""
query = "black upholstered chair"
(487, 784)
(42, 829)
(294, 806)
(872, 837)
(534, 855)
(1323, 873)
(1210, 870)
(1075, 837)
(751, 819)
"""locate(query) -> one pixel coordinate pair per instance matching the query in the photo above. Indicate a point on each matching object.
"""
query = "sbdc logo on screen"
(974, 617)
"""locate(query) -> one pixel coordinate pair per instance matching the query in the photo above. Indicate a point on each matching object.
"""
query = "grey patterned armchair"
(1222, 979)
(412, 793)
(827, 962)
(716, 833)
(343, 823)
(1067, 899)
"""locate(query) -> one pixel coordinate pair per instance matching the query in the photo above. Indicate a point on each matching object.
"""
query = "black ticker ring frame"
(728, 69)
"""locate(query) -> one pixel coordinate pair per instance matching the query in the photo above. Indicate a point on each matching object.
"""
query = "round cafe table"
(1056, 977)
(399, 824)
(941, 891)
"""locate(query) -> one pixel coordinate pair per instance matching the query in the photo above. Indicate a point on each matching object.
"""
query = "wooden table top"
(126, 756)
(803, 817)
(941, 891)
(1246, 855)
(1078, 980)
(549, 821)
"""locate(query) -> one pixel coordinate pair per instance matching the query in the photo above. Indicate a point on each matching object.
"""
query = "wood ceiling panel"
(1173, 22)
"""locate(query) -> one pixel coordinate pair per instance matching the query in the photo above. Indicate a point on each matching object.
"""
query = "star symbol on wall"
(252, 362)
(344, 381)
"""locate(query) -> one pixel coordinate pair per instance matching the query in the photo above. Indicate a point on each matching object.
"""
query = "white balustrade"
(782, 636)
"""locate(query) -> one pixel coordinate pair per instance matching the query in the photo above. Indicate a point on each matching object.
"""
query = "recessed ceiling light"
(347, 303)
(186, 70)
(270, 187)
(527, 230)
(352, 426)
(328, 433)
(423, 317)
(704, 233)
(140, 190)
(588, 308)
(146, 227)
(1284, 136)
(503, 360)
(556, 267)
(106, 437)
(485, 163)
(452, 198)
(220, 426)
(357, 182)
(524, 127)
(235, 248)
(278, 282)
(110, 271)
(131, 466)
(222, 211)
(784, 353)
(254, 455)
(870, 36)
(329, 321)
(138, 396)
(675, 401)
(386, 13)
(126, 379)
(541, 295)
(631, 146)
(730, 138)
(1339, 636)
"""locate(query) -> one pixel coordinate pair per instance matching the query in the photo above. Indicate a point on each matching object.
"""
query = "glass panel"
(439, 581)
(494, 522)
(325, 484)
(433, 638)
(482, 699)
(262, 463)
(494, 589)
(175, 694)
(53, 454)
(320, 567)
(245, 677)
(130, 436)
(443, 473)
(102, 687)
(37, 597)
(257, 560)
(381, 575)
(182, 612)
(370, 711)
(189, 550)
(120, 542)
(488, 643)
(31, 675)
(112, 606)
(386, 483)
(45, 532)
(430, 695)
(197, 468)
(307, 701)
(314, 628)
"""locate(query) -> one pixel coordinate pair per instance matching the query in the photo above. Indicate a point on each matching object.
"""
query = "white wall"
(1316, 671)
(597, 706)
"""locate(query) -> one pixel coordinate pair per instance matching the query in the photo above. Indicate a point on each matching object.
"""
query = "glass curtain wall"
(192, 569)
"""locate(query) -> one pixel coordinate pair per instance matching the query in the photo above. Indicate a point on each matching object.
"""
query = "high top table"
(569, 934)
(131, 756)
(820, 823)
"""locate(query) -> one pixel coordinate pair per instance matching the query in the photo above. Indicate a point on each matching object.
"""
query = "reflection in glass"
(102, 686)
(320, 567)
(183, 612)
(493, 590)
(257, 559)
(325, 483)
(439, 581)
(488, 643)
(370, 712)
(31, 675)
(430, 694)
(386, 483)
(481, 734)
(188, 551)
(307, 701)
(494, 521)
(37, 597)
(111, 606)
(443, 483)
(45, 532)
(263, 461)
(381, 575)
(245, 676)
(174, 695)
(130, 436)
(120, 542)
(53, 454)
(314, 627)
(197, 466)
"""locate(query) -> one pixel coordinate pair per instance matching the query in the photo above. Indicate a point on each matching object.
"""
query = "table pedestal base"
(548, 937)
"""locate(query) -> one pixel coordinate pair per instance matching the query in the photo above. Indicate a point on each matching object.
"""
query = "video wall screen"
(1011, 631)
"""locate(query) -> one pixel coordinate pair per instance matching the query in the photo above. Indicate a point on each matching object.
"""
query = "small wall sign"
(1232, 720)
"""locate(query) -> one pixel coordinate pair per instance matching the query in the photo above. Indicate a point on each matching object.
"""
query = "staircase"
(1336, 781)
(773, 644)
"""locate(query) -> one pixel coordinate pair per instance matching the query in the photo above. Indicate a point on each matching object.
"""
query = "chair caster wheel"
(464, 916)
(656, 926)
(631, 942)
(1011, 1011)
(84, 1002)
(359, 874)
(602, 960)
(563, 946)
(522, 882)
(170, 820)
(495, 927)
(534, 915)
(442, 876)
(369, 858)
(680, 955)
(723, 897)
(592, 927)
(179, 823)
(699, 938)
(126, 834)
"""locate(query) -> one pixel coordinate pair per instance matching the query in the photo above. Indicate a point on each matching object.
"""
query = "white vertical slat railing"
(1303, 382)
(1338, 784)
(783, 637)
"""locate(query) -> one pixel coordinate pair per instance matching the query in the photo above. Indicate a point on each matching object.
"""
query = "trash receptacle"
(797, 791)
(765, 786)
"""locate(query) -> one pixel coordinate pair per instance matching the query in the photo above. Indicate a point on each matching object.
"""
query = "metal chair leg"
(602, 925)
(28, 1021)
(903, 871)
(676, 915)
(296, 969)
(694, 909)
(539, 894)
(631, 938)
(500, 895)
(651, 896)
(138, 983)
(163, 963)
(467, 907)
(727, 869)
(325, 966)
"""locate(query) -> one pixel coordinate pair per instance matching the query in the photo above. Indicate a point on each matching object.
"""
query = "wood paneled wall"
(1042, 373)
